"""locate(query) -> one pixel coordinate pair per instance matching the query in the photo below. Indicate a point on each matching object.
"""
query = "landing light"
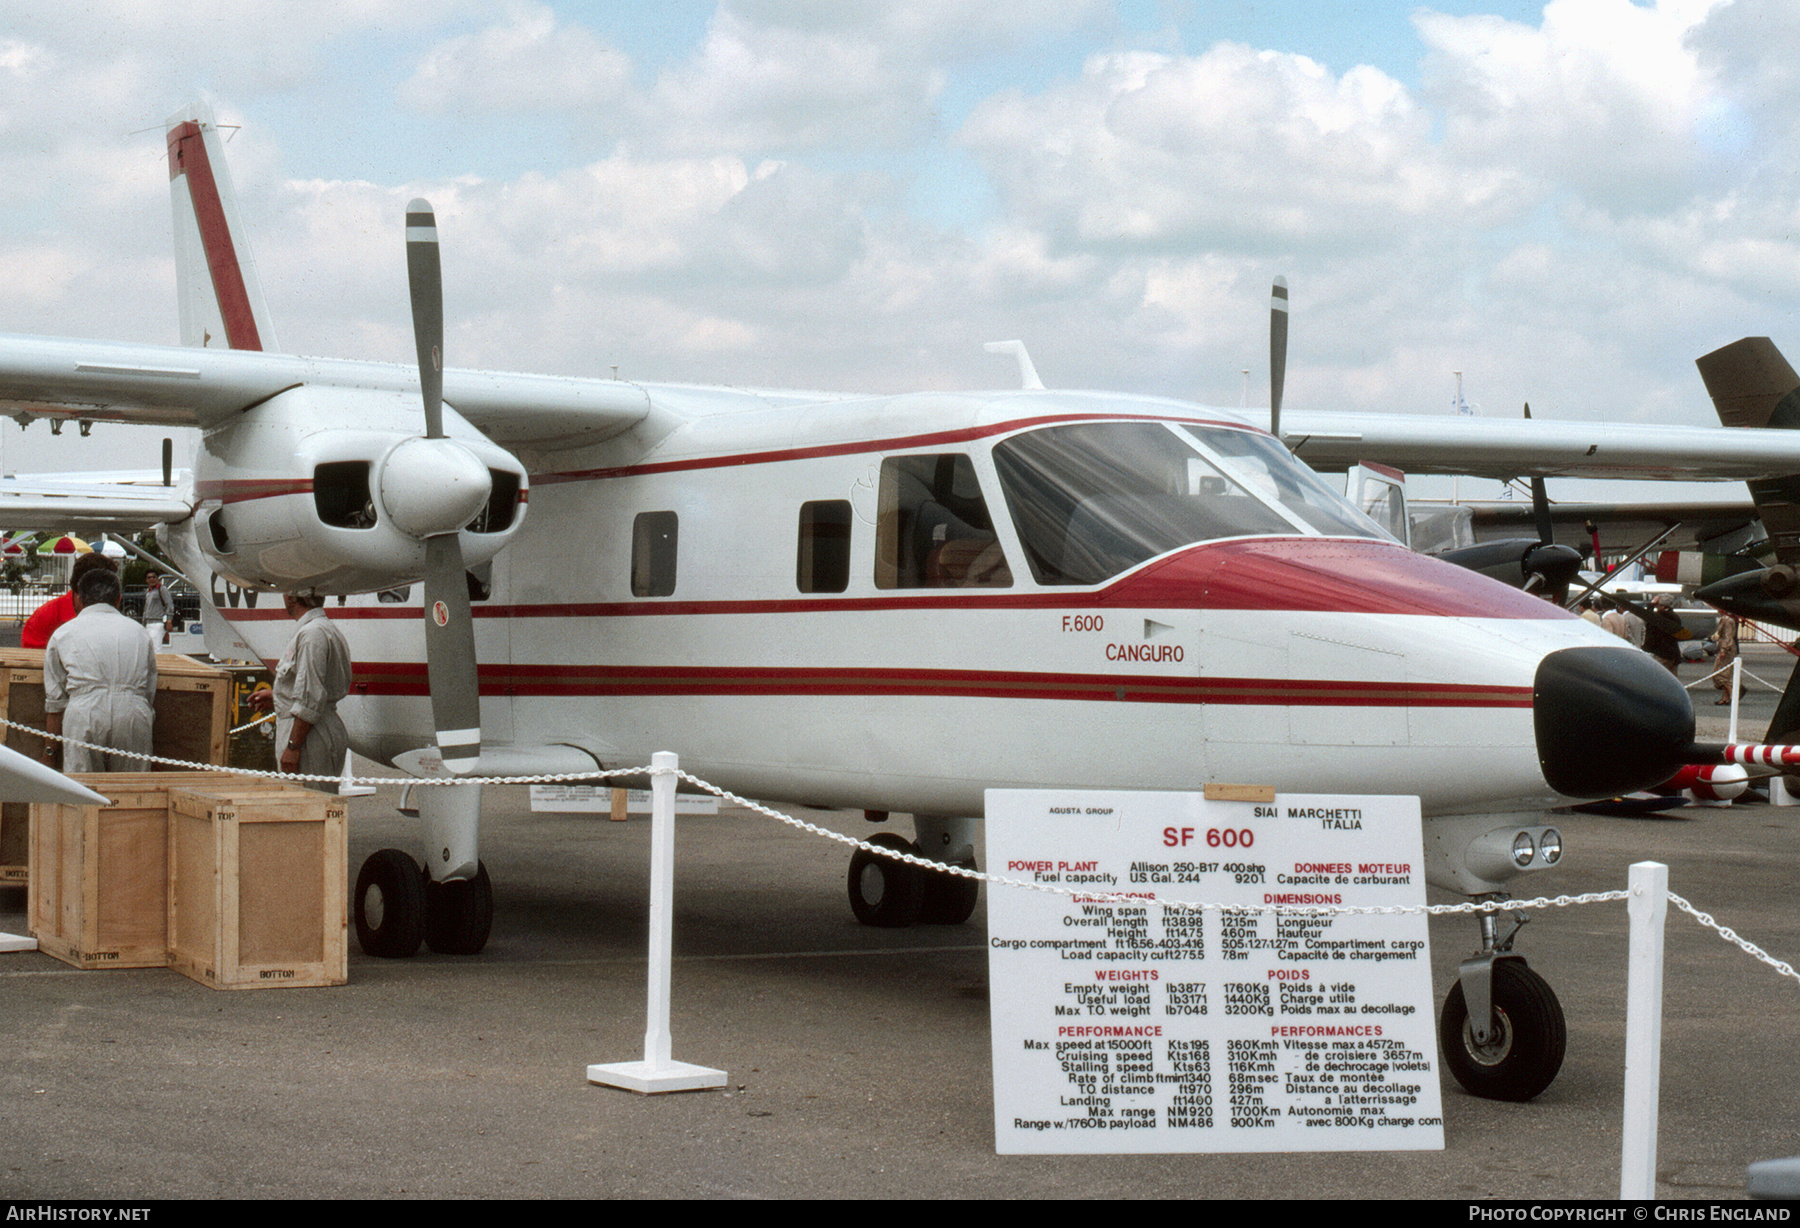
(1523, 850)
(1550, 846)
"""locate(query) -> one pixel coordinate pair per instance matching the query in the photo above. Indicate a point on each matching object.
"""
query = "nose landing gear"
(1502, 1029)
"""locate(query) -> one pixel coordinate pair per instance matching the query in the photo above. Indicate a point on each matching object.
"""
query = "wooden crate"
(193, 710)
(257, 892)
(99, 889)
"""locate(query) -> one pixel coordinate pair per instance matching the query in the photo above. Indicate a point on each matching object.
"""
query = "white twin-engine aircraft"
(890, 603)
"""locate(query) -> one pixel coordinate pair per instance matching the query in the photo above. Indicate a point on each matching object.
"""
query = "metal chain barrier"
(938, 867)
(371, 781)
(1730, 935)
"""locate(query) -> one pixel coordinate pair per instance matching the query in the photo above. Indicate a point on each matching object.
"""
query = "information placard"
(1123, 1026)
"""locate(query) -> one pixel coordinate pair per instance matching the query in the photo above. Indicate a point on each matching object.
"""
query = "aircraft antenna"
(1028, 376)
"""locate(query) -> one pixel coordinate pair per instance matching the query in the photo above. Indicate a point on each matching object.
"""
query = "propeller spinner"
(449, 631)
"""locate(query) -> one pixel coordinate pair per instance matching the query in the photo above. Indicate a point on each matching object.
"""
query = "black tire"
(884, 892)
(948, 899)
(459, 916)
(1524, 1058)
(390, 905)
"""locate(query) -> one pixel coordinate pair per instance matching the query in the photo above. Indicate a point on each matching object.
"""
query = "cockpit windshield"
(1091, 499)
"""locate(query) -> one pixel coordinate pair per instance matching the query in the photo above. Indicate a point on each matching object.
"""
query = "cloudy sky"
(1566, 202)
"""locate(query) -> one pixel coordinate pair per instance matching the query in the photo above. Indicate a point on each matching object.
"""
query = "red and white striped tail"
(221, 300)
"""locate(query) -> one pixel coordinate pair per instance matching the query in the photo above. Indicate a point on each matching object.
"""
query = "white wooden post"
(1647, 908)
(1737, 689)
(658, 1072)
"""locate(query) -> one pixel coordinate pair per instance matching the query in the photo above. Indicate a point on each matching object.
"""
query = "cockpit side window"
(1091, 499)
(933, 529)
(1271, 470)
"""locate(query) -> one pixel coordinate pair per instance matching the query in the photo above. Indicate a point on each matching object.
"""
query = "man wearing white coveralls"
(100, 682)
(312, 676)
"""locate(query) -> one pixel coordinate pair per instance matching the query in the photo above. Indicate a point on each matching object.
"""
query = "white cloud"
(1606, 97)
(1232, 149)
(531, 62)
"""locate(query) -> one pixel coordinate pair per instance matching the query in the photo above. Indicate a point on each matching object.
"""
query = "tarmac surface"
(858, 1058)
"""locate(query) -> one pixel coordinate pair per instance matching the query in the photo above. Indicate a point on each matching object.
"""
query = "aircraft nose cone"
(1608, 721)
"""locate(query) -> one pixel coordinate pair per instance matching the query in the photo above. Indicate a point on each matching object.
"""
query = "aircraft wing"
(89, 507)
(1509, 448)
(161, 385)
(1699, 522)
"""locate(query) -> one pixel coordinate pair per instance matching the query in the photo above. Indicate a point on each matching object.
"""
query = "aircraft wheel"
(1524, 1056)
(885, 892)
(949, 899)
(390, 905)
(459, 916)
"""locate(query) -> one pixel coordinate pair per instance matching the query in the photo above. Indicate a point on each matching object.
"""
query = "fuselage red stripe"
(241, 490)
(855, 447)
(410, 678)
(187, 155)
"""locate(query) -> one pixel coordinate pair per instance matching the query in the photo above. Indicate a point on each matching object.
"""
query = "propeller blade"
(1278, 337)
(450, 666)
(450, 655)
(425, 281)
(1540, 508)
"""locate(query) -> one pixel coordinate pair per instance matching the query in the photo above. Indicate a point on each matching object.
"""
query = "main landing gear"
(397, 907)
(1502, 1029)
(892, 894)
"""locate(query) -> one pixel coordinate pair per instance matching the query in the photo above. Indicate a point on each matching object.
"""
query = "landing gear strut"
(893, 894)
(1502, 1029)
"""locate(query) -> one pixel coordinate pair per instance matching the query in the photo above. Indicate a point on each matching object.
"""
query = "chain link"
(1730, 935)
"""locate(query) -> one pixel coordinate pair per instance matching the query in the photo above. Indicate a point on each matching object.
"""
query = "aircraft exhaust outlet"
(1608, 721)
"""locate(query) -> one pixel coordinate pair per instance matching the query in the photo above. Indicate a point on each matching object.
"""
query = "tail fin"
(1752, 385)
(221, 299)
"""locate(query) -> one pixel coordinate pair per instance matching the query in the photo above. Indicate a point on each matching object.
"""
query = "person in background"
(1663, 633)
(1725, 643)
(100, 682)
(157, 608)
(58, 610)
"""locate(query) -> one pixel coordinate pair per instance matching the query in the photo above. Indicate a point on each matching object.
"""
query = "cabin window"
(653, 540)
(932, 529)
(824, 555)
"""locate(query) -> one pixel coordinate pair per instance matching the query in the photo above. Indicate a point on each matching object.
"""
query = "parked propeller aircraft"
(890, 603)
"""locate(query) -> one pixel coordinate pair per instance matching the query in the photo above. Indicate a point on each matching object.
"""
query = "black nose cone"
(1608, 721)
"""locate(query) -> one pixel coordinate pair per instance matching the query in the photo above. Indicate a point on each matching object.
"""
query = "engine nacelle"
(335, 489)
